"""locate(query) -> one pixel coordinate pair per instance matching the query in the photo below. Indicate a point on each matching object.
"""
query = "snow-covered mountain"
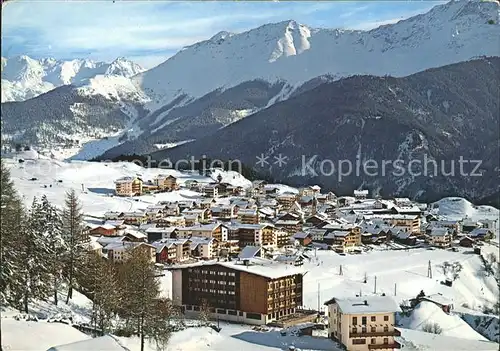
(213, 83)
(24, 77)
(294, 53)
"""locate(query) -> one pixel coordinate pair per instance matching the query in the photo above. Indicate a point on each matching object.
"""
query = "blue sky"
(149, 32)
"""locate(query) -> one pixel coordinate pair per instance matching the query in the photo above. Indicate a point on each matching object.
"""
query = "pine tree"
(56, 246)
(75, 239)
(140, 306)
(9, 205)
(99, 281)
(32, 276)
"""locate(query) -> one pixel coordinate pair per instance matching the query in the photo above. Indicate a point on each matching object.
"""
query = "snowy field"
(94, 182)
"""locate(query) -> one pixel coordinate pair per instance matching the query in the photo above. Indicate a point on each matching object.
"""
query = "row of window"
(197, 271)
(372, 341)
(372, 329)
(363, 319)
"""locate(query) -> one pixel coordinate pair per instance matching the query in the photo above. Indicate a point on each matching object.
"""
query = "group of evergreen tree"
(40, 246)
(43, 251)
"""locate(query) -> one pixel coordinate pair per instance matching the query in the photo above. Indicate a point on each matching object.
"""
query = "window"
(354, 330)
(373, 341)
(355, 320)
(363, 330)
(386, 341)
(373, 329)
(373, 318)
(363, 320)
(386, 328)
(253, 316)
(386, 318)
(359, 341)
(232, 313)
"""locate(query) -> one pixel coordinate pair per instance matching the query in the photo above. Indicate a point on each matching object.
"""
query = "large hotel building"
(252, 291)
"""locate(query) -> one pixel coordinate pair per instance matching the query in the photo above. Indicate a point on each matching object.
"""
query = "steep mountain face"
(444, 115)
(294, 53)
(186, 120)
(68, 115)
(24, 77)
(211, 84)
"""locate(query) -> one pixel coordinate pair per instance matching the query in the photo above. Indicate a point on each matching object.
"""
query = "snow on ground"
(414, 340)
(94, 182)
(451, 324)
(37, 336)
(404, 270)
(282, 188)
(457, 208)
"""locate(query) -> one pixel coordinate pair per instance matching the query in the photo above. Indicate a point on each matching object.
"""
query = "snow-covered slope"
(94, 182)
(451, 324)
(295, 53)
(457, 208)
(24, 77)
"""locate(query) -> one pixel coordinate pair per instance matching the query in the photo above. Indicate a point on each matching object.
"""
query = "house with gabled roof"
(364, 323)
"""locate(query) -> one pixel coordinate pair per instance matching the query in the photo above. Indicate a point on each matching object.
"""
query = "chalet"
(112, 215)
(117, 223)
(186, 204)
(318, 234)
(135, 235)
(173, 221)
(205, 248)
(135, 218)
(250, 252)
(453, 226)
(206, 203)
(210, 190)
(343, 241)
(302, 238)
(120, 251)
(165, 252)
(286, 200)
(211, 230)
(282, 238)
(364, 323)
(182, 249)
(468, 226)
(256, 235)
(316, 220)
(288, 225)
(310, 191)
(128, 186)
(166, 182)
(440, 237)
(249, 216)
(157, 233)
(259, 186)
(154, 212)
(104, 230)
(225, 211)
(202, 214)
(328, 197)
(403, 236)
(360, 194)
(466, 241)
(483, 234)
(192, 184)
(257, 291)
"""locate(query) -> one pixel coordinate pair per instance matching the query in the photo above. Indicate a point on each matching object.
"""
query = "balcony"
(368, 334)
(394, 345)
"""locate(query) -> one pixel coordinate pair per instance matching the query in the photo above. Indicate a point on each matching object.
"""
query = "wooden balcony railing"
(368, 334)
(394, 345)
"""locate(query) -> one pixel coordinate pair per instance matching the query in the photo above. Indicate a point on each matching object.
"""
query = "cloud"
(150, 30)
